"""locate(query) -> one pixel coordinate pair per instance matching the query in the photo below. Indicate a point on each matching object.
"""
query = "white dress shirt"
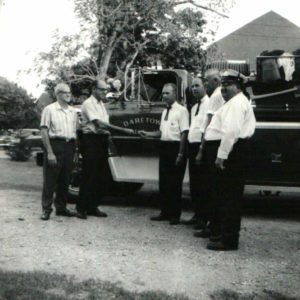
(197, 121)
(178, 121)
(234, 120)
(61, 122)
(92, 109)
(215, 101)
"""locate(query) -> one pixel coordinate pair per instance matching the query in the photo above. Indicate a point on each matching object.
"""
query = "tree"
(17, 107)
(116, 33)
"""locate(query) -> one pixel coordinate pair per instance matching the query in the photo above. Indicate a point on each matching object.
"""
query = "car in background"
(24, 142)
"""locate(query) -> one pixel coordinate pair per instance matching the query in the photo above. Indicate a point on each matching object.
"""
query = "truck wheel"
(73, 194)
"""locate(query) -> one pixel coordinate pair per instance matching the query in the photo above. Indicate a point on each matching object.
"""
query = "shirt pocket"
(174, 127)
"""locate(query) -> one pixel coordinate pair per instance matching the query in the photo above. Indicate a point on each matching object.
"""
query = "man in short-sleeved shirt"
(173, 133)
(198, 186)
(213, 89)
(94, 149)
(225, 151)
(212, 82)
(58, 130)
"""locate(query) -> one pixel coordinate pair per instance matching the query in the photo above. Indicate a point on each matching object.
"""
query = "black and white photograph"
(149, 150)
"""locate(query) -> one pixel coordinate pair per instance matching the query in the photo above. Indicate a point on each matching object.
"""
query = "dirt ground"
(127, 249)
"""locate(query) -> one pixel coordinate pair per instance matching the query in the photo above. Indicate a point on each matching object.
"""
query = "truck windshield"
(148, 85)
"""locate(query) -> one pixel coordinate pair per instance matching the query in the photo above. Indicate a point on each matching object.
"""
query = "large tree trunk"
(106, 56)
(104, 63)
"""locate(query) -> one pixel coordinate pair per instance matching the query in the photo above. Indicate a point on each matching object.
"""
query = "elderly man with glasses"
(94, 149)
(58, 130)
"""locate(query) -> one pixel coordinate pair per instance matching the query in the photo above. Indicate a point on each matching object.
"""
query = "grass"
(45, 286)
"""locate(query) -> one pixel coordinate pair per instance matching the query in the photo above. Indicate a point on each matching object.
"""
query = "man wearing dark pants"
(225, 152)
(94, 148)
(198, 185)
(172, 156)
(212, 83)
(58, 130)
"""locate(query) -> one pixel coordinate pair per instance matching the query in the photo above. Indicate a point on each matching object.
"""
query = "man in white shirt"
(212, 82)
(58, 130)
(198, 186)
(225, 152)
(173, 133)
(94, 149)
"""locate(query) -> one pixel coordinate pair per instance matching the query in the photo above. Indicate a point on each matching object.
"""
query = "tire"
(73, 194)
(114, 188)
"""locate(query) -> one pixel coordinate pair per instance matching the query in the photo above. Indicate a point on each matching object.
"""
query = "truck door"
(136, 159)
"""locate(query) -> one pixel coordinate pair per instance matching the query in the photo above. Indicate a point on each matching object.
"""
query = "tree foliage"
(117, 33)
(17, 107)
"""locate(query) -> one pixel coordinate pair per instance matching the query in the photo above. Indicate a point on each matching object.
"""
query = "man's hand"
(199, 157)
(143, 134)
(51, 159)
(179, 160)
(219, 163)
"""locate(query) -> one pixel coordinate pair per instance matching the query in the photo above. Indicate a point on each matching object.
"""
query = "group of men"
(212, 136)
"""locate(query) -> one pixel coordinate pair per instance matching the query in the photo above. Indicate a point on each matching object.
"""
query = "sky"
(26, 28)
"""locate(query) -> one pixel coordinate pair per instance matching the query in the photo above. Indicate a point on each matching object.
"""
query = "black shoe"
(200, 224)
(205, 233)
(46, 215)
(65, 213)
(220, 246)
(81, 215)
(160, 217)
(97, 213)
(174, 221)
(191, 221)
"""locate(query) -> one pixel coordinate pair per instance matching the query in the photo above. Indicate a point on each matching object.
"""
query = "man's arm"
(231, 127)
(46, 142)
(199, 155)
(182, 147)
(148, 134)
(100, 125)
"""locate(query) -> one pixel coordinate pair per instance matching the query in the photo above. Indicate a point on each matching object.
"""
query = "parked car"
(25, 141)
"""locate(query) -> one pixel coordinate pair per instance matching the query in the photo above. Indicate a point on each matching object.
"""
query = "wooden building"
(268, 32)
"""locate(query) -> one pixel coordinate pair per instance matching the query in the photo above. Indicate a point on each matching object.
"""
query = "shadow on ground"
(264, 295)
(46, 286)
(284, 206)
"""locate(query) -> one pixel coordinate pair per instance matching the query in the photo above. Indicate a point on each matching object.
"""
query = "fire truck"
(274, 163)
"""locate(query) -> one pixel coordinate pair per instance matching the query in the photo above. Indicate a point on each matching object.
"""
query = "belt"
(63, 139)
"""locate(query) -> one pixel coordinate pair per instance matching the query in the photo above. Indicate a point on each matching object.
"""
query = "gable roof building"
(268, 32)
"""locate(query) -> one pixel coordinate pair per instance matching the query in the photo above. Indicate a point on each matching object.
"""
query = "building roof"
(267, 32)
